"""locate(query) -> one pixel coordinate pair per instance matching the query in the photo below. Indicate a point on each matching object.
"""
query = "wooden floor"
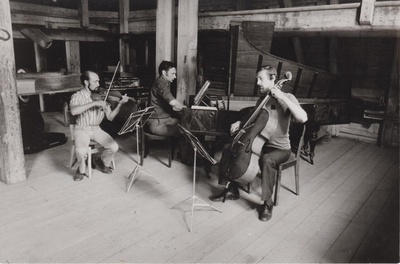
(347, 211)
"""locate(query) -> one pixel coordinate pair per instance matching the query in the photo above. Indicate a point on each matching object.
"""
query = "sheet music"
(196, 144)
(199, 96)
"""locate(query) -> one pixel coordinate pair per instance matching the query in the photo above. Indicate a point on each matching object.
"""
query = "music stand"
(136, 121)
(197, 147)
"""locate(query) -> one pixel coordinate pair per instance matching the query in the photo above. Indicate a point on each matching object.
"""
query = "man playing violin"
(276, 150)
(89, 114)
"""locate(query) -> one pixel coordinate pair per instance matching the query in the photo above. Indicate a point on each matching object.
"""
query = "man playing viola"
(276, 150)
(89, 114)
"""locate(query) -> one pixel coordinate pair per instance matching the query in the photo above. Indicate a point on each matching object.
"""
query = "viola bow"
(109, 87)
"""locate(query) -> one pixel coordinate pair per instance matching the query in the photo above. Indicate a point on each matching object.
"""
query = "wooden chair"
(93, 148)
(147, 139)
(296, 140)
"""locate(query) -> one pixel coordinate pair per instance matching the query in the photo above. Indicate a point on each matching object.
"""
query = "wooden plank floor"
(347, 211)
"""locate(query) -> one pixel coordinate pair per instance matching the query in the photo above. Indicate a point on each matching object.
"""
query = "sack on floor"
(44, 141)
(33, 137)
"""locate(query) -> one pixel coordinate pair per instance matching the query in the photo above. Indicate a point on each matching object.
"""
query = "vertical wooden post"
(40, 58)
(84, 13)
(165, 31)
(123, 16)
(240, 4)
(123, 54)
(367, 12)
(73, 56)
(187, 49)
(333, 68)
(123, 29)
(296, 41)
(12, 160)
(392, 109)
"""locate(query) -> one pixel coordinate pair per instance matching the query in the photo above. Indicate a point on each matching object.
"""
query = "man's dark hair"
(269, 69)
(85, 77)
(165, 66)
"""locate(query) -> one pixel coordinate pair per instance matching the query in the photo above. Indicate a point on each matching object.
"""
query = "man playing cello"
(276, 150)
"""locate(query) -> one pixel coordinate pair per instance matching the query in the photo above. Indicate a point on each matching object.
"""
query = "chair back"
(71, 121)
(296, 134)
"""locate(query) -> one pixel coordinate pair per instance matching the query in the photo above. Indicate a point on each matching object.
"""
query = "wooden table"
(42, 91)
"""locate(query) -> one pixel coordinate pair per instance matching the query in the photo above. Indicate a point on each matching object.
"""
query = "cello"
(239, 161)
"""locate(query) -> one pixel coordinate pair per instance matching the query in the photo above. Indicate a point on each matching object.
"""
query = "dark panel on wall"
(96, 56)
(56, 56)
(24, 56)
(213, 54)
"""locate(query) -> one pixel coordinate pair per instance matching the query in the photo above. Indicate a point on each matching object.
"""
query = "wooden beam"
(12, 161)
(340, 20)
(73, 56)
(84, 13)
(25, 8)
(165, 31)
(367, 12)
(324, 20)
(37, 36)
(123, 16)
(187, 49)
(53, 22)
(72, 35)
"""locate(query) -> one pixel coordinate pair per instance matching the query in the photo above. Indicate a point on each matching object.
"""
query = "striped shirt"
(91, 117)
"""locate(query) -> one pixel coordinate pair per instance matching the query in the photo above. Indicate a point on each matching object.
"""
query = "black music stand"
(136, 121)
(197, 147)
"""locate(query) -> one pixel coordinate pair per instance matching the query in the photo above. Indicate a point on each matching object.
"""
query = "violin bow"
(109, 87)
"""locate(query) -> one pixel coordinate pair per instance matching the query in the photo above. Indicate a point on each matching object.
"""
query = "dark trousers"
(270, 158)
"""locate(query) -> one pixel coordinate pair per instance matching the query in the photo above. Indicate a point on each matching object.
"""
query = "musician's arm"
(111, 114)
(176, 105)
(235, 127)
(297, 111)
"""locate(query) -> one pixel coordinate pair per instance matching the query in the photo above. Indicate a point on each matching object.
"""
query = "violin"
(113, 96)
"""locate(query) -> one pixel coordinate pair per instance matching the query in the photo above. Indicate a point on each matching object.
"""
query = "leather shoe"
(265, 213)
(103, 168)
(79, 176)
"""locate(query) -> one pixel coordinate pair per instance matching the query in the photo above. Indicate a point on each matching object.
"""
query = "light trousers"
(83, 135)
